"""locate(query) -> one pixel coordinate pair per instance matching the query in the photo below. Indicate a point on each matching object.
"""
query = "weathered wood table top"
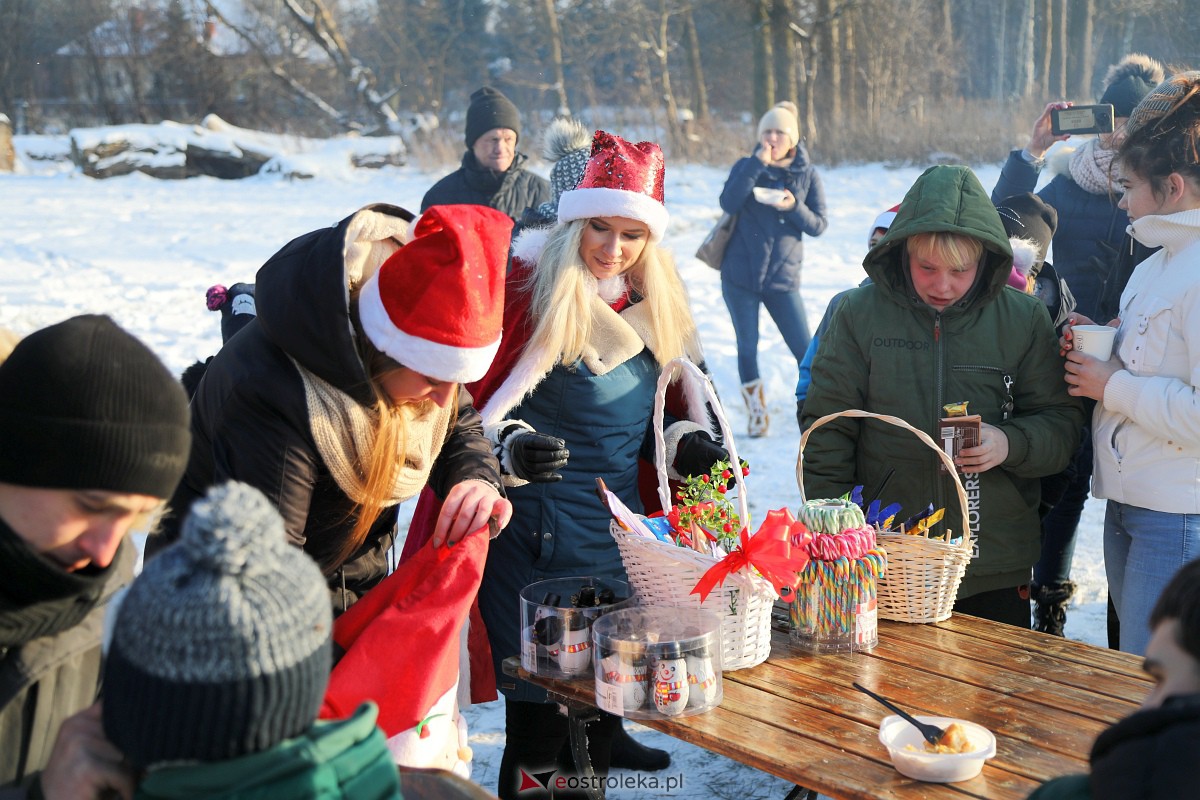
(797, 716)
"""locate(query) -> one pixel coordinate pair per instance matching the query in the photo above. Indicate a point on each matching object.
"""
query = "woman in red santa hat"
(342, 397)
(593, 310)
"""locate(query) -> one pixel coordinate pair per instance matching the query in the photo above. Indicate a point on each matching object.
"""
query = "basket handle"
(674, 366)
(924, 437)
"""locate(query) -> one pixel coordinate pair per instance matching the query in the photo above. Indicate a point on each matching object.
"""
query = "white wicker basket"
(663, 574)
(923, 574)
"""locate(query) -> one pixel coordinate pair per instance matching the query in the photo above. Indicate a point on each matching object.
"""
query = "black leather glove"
(696, 453)
(537, 457)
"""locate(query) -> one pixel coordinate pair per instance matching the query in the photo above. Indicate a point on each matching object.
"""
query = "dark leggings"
(1010, 606)
(537, 742)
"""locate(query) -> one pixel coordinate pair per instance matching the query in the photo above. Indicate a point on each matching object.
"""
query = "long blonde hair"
(391, 438)
(562, 289)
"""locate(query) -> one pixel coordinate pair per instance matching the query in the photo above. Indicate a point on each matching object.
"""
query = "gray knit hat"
(221, 647)
(568, 144)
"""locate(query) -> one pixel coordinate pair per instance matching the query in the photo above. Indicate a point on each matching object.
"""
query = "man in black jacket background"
(493, 172)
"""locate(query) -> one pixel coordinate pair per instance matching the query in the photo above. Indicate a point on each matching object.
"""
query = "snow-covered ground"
(144, 251)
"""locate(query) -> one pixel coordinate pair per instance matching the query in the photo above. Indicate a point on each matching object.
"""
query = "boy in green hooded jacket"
(936, 326)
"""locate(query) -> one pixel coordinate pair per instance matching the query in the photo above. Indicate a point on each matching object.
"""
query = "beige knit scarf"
(1091, 168)
(344, 431)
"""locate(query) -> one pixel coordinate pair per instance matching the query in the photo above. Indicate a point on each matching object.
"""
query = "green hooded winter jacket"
(889, 352)
(343, 759)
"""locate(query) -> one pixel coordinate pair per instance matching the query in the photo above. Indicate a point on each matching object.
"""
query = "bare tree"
(695, 67)
(556, 60)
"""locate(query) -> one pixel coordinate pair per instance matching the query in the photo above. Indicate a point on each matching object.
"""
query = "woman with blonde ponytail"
(342, 398)
(593, 311)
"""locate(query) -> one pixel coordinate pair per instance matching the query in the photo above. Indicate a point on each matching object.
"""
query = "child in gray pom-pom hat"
(218, 659)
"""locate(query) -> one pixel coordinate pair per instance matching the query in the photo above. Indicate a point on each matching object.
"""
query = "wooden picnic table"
(797, 716)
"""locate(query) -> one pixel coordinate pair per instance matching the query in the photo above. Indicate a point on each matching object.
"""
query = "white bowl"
(768, 196)
(898, 735)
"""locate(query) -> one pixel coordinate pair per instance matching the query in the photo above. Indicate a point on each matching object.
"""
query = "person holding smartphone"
(1091, 228)
(777, 196)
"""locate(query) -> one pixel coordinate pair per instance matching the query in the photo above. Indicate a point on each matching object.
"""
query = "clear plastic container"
(556, 622)
(654, 662)
(835, 609)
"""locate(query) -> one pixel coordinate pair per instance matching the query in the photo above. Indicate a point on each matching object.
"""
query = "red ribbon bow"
(777, 551)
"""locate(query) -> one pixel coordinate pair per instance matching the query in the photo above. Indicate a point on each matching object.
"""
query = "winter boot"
(629, 753)
(756, 408)
(1050, 610)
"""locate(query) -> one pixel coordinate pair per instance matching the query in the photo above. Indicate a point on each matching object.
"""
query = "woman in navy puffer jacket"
(778, 198)
(1090, 233)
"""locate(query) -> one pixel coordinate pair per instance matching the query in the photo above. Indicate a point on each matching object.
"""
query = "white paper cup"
(1094, 340)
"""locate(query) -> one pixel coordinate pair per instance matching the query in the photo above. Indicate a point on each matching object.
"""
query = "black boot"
(629, 753)
(1050, 611)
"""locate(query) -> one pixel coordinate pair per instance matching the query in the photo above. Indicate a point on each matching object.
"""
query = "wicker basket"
(923, 574)
(663, 574)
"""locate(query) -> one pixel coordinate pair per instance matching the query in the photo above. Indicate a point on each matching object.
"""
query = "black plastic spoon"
(932, 733)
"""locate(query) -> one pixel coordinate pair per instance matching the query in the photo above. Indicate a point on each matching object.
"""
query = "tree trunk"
(849, 80)
(1047, 47)
(830, 56)
(1061, 50)
(1086, 48)
(661, 51)
(784, 47)
(1025, 59)
(319, 24)
(699, 90)
(999, 14)
(764, 76)
(556, 59)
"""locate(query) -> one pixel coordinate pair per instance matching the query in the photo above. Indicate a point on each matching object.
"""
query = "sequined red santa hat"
(621, 180)
(435, 305)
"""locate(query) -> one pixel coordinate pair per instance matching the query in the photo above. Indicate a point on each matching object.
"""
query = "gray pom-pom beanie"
(221, 647)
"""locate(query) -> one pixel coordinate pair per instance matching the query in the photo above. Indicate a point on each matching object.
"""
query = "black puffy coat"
(250, 419)
(510, 192)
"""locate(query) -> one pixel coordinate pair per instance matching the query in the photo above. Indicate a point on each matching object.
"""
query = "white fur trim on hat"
(600, 202)
(1025, 254)
(437, 360)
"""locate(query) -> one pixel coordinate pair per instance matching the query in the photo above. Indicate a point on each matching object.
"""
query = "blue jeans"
(786, 308)
(1143, 549)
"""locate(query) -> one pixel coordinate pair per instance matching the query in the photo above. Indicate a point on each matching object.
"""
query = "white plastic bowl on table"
(898, 735)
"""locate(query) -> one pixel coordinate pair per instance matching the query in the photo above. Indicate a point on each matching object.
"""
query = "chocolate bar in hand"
(957, 433)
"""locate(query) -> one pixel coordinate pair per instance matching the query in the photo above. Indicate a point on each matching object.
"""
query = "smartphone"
(1082, 119)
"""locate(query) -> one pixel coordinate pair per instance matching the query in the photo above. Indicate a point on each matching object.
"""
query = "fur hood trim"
(1058, 157)
(616, 339)
(1025, 254)
(529, 244)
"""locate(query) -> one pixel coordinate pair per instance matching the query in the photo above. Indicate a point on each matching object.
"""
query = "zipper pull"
(1008, 400)
(937, 327)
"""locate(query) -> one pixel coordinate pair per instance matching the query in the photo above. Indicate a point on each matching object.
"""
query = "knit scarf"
(39, 598)
(1091, 168)
(344, 431)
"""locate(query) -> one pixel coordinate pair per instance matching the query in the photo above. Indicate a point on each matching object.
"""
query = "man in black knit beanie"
(94, 436)
(492, 173)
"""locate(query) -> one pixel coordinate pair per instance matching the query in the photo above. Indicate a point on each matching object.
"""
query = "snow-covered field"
(144, 251)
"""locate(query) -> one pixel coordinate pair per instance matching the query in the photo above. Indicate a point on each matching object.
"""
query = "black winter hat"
(490, 109)
(1128, 81)
(221, 646)
(85, 405)
(1028, 217)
